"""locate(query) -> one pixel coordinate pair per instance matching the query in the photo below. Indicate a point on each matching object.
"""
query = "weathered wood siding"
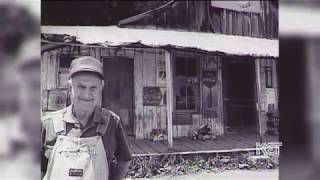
(145, 69)
(216, 122)
(271, 63)
(264, 25)
(201, 16)
(146, 118)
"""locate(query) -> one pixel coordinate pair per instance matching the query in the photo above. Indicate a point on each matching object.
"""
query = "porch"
(184, 145)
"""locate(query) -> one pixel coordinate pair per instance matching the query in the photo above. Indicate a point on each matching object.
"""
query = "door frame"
(103, 58)
(224, 88)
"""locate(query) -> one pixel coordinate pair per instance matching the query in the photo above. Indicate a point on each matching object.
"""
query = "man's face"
(86, 93)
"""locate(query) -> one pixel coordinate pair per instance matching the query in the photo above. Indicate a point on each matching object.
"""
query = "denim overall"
(74, 158)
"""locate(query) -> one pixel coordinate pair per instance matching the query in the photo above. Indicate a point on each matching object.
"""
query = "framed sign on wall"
(161, 72)
(152, 96)
(241, 6)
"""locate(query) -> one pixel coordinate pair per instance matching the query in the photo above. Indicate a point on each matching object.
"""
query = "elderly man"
(84, 141)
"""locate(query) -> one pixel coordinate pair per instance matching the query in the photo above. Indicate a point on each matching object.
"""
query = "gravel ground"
(229, 175)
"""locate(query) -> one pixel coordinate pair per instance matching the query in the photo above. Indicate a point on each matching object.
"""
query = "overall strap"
(58, 123)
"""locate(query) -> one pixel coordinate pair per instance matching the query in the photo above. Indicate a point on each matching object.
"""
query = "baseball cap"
(86, 63)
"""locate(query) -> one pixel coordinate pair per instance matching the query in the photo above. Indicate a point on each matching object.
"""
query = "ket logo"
(268, 148)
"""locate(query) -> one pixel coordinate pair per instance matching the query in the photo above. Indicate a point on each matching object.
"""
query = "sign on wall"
(210, 103)
(210, 99)
(182, 119)
(242, 6)
(57, 99)
(161, 72)
(271, 95)
(209, 78)
(152, 96)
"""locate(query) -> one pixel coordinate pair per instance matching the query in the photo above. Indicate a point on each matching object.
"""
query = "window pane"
(191, 103)
(180, 67)
(65, 60)
(191, 67)
(268, 71)
(181, 96)
(186, 83)
(180, 102)
(182, 90)
(190, 91)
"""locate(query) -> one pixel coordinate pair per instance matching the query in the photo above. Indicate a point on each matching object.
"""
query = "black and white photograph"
(160, 90)
(171, 89)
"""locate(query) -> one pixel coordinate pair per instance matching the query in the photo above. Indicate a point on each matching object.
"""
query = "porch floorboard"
(184, 145)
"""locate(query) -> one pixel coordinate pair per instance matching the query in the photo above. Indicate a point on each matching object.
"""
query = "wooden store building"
(176, 67)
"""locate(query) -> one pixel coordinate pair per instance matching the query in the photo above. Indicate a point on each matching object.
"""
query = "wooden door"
(239, 95)
(118, 91)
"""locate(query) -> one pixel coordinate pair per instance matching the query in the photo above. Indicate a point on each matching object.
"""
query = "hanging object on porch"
(209, 79)
(210, 99)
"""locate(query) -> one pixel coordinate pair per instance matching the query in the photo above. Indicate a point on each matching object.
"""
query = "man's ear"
(102, 83)
(69, 84)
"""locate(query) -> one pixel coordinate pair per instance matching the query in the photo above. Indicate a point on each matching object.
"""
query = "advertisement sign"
(242, 6)
(151, 96)
(209, 78)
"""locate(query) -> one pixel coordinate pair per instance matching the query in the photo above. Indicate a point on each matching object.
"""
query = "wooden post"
(169, 96)
(258, 105)
(275, 81)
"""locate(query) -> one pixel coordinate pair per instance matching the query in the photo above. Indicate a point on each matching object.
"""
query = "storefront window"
(64, 65)
(269, 79)
(187, 84)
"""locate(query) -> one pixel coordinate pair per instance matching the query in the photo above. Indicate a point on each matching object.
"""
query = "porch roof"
(115, 36)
